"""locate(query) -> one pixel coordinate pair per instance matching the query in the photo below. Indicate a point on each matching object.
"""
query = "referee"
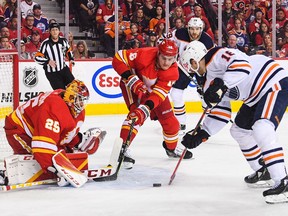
(52, 54)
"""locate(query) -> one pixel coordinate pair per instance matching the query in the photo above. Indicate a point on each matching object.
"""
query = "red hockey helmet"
(168, 48)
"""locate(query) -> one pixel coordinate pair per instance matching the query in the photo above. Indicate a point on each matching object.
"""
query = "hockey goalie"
(44, 135)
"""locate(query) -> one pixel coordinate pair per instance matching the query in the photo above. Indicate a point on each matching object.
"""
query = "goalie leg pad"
(67, 170)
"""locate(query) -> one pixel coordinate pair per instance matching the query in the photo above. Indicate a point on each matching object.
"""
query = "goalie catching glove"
(215, 92)
(136, 85)
(140, 114)
(91, 139)
(192, 140)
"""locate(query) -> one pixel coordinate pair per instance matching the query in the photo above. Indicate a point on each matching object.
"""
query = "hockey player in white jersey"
(262, 85)
(183, 37)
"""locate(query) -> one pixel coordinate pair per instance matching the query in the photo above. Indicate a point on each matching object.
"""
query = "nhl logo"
(30, 77)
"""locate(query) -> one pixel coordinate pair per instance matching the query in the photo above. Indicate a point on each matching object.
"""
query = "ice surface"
(210, 184)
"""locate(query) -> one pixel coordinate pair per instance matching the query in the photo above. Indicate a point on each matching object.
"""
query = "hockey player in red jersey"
(49, 123)
(150, 72)
(262, 85)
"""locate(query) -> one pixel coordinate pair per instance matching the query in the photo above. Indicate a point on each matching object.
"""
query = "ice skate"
(128, 161)
(260, 179)
(182, 129)
(177, 152)
(278, 193)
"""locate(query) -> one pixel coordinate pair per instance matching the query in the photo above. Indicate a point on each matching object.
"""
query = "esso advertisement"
(106, 81)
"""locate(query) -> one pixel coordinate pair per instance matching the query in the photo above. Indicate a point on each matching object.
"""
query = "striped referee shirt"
(56, 51)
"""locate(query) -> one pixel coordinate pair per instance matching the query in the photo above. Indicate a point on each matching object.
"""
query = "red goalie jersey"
(40, 128)
(143, 63)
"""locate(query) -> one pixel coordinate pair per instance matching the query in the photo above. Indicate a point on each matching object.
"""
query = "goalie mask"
(76, 96)
(194, 50)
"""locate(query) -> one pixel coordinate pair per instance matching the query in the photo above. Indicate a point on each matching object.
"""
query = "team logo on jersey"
(105, 82)
(30, 78)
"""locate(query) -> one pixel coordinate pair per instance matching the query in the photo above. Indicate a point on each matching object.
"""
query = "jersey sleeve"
(218, 117)
(163, 85)
(40, 57)
(125, 60)
(237, 69)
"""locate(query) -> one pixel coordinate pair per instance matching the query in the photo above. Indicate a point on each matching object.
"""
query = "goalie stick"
(185, 150)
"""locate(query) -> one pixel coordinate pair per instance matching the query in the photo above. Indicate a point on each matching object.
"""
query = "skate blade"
(261, 184)
(276, 199)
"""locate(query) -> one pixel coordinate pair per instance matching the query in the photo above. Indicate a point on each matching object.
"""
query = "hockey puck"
(157, 185)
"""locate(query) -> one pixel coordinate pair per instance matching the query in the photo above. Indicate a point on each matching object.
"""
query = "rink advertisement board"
(101, 80)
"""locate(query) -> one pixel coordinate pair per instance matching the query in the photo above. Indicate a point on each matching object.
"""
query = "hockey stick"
(28, 184)
(121, 156)
(185, 150)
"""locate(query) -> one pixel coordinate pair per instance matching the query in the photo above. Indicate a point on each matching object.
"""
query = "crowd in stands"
(246, 24)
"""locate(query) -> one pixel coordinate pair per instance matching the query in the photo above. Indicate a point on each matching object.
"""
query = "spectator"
(129, 7)
(238, 15)
(268, 50)
(261, 49)
(282, 36)
(26, 7)
(228, 12)
(4, 32)
(254, 26)
(40, 21)
(152, 40)
(264, 30)
(177, 13)
(134, 38)
(71, 40)
(23, 53)
(28, 28)
(241, 36)
(160, 15)
(232, 41)
(34, 45)
(12, 26)
(278, 5)
(81, 51)
(4, 43)
(283, 52)
(189, 9)
(149, 9)
(104, 12)
(123, 30)
(87, 13)
(280, 19)
(141, 21)
(9, 8)
(160, 31)
(179, 23)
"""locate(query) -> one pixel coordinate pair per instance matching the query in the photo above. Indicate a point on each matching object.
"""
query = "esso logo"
(106, 82)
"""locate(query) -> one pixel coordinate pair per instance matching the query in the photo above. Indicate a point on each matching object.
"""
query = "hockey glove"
(191, 140)
(140, 114)
(91, 139)
(136, 85)
(215, 92)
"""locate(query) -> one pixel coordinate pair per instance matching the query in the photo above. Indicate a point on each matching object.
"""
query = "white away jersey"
(248, 78)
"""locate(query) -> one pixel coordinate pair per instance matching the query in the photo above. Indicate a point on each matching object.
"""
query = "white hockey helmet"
(195, 22)
(194, 50)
